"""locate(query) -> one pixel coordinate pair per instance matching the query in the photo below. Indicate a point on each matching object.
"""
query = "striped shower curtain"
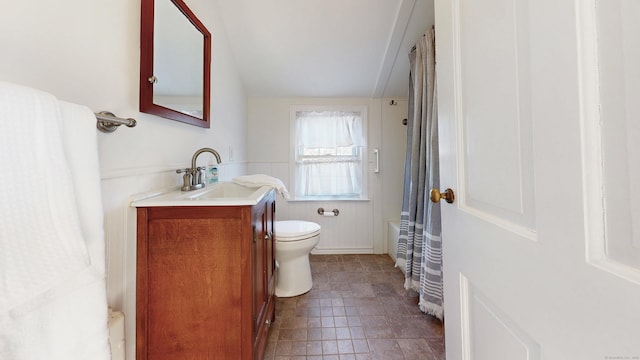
(420, 245)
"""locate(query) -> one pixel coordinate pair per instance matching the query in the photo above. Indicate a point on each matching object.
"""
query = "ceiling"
(325, 48)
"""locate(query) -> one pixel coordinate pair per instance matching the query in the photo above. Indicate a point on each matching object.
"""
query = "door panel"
(618, 56)
(496, 161)
(490, 334)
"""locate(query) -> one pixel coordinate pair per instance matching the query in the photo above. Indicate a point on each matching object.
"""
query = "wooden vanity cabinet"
(205, 281)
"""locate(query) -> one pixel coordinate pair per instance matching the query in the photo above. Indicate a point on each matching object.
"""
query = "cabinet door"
(259, 267)
(187, 283)
(270, 249)
(263, 273)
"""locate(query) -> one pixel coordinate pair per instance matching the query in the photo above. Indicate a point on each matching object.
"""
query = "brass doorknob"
(435, 195)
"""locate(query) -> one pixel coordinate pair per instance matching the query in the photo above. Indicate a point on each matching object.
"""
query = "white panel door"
(538, 127)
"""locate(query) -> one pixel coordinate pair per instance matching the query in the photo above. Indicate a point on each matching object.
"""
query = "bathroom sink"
(226, 190)
(219, 194)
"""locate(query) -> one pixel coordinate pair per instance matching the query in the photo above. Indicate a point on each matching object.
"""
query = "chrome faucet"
(192, 178)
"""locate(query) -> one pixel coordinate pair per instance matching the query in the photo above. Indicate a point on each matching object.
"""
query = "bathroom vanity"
(205, 273)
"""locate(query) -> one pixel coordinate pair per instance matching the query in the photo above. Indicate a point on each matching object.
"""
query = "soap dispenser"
(212, 174)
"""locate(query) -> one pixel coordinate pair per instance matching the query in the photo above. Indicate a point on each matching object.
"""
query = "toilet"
(294, 241)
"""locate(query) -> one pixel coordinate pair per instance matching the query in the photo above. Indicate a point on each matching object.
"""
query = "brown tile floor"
(357, 309)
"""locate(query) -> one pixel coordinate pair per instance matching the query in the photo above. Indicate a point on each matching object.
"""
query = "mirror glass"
(175, 63)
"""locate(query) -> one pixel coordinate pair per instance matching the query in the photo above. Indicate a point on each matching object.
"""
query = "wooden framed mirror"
(175, 63)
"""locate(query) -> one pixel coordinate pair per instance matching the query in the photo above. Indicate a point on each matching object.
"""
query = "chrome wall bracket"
(108, 122)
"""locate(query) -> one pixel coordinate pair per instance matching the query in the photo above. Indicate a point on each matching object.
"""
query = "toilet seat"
(295, 230)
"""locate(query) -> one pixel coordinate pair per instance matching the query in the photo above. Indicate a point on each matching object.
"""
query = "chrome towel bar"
(108, 122)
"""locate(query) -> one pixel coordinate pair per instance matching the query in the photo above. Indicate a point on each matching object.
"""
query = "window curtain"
(420, 245)
(328, 129)
(329, 153)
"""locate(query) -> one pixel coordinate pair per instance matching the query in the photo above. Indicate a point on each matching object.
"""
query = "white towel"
(258, 180)
(52, 299)
(81, 150)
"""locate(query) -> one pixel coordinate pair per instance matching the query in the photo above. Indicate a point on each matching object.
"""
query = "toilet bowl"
(294, 241)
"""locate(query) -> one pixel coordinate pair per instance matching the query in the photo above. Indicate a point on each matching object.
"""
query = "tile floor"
(357, 309)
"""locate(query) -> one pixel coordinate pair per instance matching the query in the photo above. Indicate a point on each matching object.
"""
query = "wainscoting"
(351, 232)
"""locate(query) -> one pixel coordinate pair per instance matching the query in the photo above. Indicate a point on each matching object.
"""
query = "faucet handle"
(186, 178)
(198, 175)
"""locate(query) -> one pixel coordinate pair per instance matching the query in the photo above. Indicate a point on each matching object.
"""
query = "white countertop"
(219, 194)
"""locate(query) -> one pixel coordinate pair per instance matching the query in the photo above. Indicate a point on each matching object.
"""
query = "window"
(329, 153)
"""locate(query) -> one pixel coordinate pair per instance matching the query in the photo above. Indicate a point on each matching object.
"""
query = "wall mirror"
(175, 63)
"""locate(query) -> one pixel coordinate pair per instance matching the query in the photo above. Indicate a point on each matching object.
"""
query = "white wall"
(361, 225)
(87, 52)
